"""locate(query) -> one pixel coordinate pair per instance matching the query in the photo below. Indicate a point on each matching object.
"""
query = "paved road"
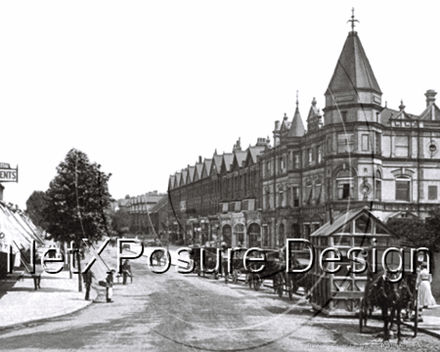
(176, 312)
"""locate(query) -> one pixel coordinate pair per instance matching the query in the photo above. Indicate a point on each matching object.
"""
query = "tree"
(76, 200)
(35, 207)
(120, 222)
(419, 233)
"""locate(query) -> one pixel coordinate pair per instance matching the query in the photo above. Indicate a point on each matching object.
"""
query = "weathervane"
(352, 20)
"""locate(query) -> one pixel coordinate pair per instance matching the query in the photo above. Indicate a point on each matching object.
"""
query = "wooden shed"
(339, 293)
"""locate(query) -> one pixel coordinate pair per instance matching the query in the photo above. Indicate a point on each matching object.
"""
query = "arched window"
(344, 184)
(378, 184)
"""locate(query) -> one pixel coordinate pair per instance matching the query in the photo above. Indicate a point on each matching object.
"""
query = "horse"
(391, 297)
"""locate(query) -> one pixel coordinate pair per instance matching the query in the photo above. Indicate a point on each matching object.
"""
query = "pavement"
(20, 303)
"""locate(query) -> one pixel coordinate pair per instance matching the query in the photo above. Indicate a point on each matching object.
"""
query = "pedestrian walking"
(424, 279)
(225, 257)
(126, 271)
(109, 286)
(88, 277)
(37, 276)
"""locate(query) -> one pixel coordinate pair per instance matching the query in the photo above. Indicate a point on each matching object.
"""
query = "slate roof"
(207, 163)
(228, 157)
(161, 203)
(240, 156)
(217, 160)
(255, 151)
(191, 170)
(184, 176)
(199, 167)
(297, 127)
(353, 70)
(431, 111)
(329, 229)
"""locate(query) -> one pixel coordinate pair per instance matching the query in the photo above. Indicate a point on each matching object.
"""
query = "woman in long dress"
(424, 280)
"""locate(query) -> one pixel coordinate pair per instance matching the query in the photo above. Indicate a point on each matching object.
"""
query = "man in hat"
(88, 277)
(109, 286)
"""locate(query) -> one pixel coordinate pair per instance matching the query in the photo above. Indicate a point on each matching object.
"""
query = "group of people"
(109, 281)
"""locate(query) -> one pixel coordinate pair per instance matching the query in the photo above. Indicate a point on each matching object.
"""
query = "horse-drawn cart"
(273, 269)
(395, 299)
(209, 262)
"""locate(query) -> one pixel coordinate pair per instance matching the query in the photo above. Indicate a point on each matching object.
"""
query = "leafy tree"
(76, 200)
(419, 233)
(35, 207)
(120, 222)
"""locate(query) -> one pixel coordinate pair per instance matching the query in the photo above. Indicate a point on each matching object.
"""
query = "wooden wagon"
(340, 293)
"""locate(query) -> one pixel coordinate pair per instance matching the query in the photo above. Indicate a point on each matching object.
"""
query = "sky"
(146, 87)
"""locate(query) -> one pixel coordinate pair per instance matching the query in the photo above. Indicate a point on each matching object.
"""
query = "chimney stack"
(200, 159)
(430, 96)
(277, 125)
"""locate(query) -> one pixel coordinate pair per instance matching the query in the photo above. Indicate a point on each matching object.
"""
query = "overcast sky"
(145, 87)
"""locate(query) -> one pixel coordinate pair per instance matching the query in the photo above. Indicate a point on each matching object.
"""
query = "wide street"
(176, 312)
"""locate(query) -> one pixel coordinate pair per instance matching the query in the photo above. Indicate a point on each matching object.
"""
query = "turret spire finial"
(297, 99)
(353, 20)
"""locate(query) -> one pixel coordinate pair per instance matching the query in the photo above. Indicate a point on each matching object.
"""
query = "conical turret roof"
(297, 126)
(353, 70)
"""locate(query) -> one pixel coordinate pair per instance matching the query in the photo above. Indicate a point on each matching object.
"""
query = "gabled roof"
(329, 229)
(183, 179)
(296, 127)
(170, 184)
(314, 111)
(353, 70)
(216, 164)
(432, 112)
(285, 125)
(190, 177)
(177, 181)
(227, 161)
(206, 168)
(239, 157)
(253, 152)
(198, 172)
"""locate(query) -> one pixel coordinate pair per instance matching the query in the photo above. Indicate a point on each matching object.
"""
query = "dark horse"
(391, 297)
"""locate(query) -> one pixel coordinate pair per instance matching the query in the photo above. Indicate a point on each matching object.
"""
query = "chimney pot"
(430, 96)
(200, 158)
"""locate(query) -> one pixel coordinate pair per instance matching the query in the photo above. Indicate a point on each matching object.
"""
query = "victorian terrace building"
(355, 153)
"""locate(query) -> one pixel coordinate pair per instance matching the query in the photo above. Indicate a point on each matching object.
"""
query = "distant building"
(138, 207)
